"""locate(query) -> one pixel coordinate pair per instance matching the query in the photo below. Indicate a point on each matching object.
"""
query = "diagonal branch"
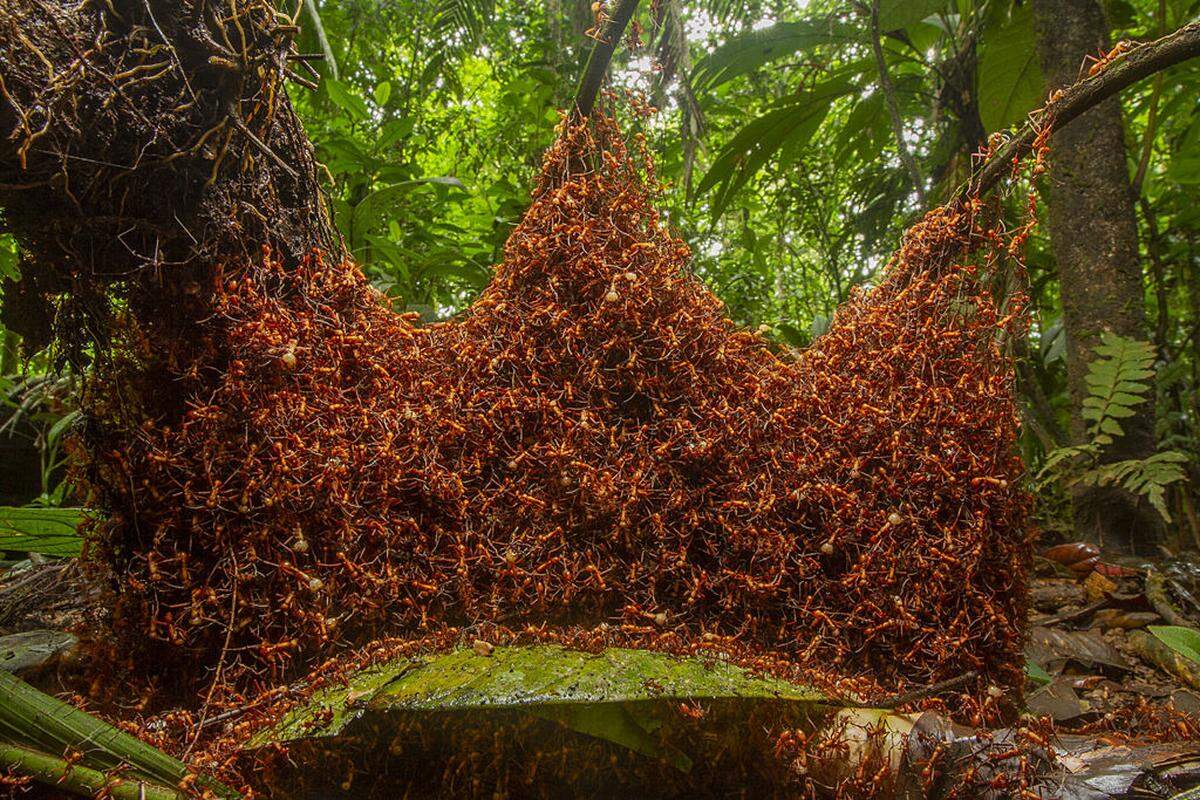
(1075, 100)
(601, 55)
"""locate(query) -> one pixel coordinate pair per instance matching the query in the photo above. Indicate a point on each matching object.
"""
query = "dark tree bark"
(1094, 238)
(143, 143)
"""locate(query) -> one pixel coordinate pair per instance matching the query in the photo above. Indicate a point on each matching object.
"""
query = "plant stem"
(319, 29)
(77, 779)
(601, 55)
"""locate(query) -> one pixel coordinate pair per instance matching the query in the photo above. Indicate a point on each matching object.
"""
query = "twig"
(889, 96)
(920, 693)
(601, 55)
(170, 47)
(1073, 101)
(259, 143)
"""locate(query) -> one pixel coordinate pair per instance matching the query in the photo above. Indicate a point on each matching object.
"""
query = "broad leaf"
(49, 531)
(897, 14)
(370, 209)
(620, 696)
(787, 128)
(1183, 640)
(346, 99)
(1010, 79)
(748, 52)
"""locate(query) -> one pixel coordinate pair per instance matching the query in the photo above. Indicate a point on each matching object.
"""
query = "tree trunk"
(145, 144)
(1093, 234)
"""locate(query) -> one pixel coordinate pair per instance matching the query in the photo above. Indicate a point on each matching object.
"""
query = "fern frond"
(1148, 477)
(1115, 380)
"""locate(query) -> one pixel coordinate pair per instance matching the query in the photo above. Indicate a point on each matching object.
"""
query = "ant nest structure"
(592, 442)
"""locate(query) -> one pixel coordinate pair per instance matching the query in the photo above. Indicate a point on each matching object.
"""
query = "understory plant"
(1118, 381)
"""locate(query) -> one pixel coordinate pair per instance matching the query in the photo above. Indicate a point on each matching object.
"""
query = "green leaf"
(1184, 169)
(621, 696)
(394, 131)
(382, 92)
(49, 531)
(370, 210)
(1181, 639)
(897, 14)
(9, 258)
(1036, 674)
(748, 52)
(1010, 79)
(38, 721)
(791, 125)
(346, 99)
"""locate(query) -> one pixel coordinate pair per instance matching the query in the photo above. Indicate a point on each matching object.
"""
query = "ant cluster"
(592, 443)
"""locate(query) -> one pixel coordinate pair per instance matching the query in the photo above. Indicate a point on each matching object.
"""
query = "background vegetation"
(791, 163)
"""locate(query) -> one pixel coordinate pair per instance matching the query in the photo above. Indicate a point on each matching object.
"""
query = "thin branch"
(601, 55)
(889, 96)
(262, 147)
(1065, 106)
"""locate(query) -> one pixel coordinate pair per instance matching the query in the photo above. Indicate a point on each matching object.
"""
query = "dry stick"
(601, 55)
(889, 97)
(912, 696)
(1073, 101)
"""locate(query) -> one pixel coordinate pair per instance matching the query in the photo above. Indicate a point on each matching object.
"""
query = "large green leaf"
(41, 723)
(347, 99)
(49, 531)
(785, 129)
(897, 14)
(1010, 79)
(373, 208)
(1181, 639)
(620, 696)
(751, 50)
(1185, 169)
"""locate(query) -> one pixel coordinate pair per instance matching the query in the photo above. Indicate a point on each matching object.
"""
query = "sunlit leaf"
(751, 50)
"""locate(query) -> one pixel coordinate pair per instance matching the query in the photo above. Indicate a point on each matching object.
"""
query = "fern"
(1116, 381)
(1115, 384)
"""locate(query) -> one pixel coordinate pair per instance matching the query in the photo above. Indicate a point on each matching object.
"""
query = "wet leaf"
(28, 649)
(621, 696)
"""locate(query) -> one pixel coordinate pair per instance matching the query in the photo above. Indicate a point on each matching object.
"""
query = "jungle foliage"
(780, 162)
